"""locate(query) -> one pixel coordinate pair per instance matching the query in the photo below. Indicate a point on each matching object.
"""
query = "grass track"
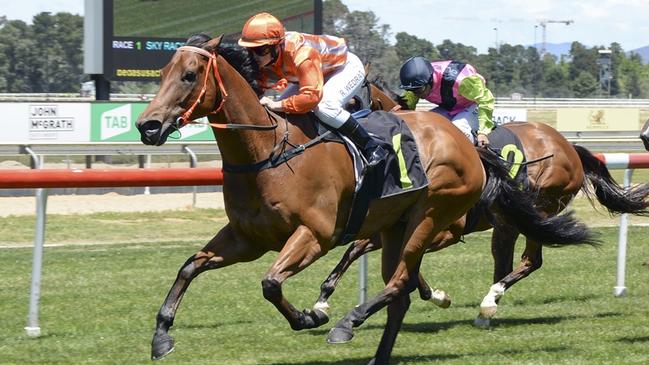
(99, 303)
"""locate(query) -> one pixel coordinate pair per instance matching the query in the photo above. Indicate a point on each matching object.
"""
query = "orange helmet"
(260, 30)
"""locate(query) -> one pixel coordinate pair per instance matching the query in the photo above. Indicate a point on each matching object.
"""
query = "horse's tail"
(614, 197)
(516, 206)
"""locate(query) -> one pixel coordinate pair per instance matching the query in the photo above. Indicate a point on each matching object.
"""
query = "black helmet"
(415, 73)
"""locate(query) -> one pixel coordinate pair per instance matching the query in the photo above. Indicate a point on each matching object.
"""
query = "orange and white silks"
(306, 59)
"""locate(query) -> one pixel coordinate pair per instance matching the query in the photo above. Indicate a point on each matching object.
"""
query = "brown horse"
(299, 207)
(557, 179)
(644, 135)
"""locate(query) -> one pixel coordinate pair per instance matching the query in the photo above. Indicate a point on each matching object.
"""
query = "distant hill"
(643, 52)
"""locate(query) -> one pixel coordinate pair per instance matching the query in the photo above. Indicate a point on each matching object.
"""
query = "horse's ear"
(213, 43)
(368, 67)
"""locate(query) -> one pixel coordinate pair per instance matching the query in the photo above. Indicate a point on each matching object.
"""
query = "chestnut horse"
(557, 179)
(299, 207)
(644, 135)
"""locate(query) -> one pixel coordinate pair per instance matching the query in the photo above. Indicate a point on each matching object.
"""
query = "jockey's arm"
(473, 88)
(311, 81)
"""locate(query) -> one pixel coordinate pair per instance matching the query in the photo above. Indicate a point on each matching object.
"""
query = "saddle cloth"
(509, 147)
(401, 172)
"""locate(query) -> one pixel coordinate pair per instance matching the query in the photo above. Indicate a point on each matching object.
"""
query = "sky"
(478, 23)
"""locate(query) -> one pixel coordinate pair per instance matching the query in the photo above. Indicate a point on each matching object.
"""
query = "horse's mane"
(380, 83)
(238, 57)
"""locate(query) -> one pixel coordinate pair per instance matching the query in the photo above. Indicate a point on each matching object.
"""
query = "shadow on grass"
(633, 339)
(435, 327)
(429, 359)
(559, 299)
(395, 359)
(214, 325)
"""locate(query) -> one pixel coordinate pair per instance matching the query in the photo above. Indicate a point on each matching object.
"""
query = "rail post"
(193, 162)
(33, 328)
(620, 289)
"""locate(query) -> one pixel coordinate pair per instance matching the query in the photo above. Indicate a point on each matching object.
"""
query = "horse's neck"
(381, 99)
(243, 146)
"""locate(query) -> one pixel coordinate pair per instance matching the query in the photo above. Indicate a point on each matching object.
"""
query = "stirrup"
(376, 156)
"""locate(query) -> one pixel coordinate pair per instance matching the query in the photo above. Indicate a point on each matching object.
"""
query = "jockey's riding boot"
(371, 149)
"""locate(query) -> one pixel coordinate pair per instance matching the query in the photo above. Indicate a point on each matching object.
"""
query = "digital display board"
(140, 36)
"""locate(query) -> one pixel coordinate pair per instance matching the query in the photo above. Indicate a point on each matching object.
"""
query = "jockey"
(315, 73)
(458, 90)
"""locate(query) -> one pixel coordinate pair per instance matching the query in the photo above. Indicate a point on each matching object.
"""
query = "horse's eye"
(189, 76)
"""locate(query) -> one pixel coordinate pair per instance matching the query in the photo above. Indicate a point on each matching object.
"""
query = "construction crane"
(544, 23)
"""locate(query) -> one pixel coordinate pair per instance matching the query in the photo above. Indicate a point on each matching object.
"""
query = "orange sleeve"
(311, 80)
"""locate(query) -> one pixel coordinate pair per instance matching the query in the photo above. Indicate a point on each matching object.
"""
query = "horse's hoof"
(488, 311)
(319, 317)
(321, 306)
(340, 335)
(440, 298)
(482, 322)
(161, 346)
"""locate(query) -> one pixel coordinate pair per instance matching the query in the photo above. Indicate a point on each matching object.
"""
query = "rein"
(212, 65)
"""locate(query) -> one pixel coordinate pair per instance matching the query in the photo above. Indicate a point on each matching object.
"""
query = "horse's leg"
(444, 239)
(407, 267)
(396, 312)
(503, 242)
(436, 296)
(531, 260)
(399, 306)
(356, 249)
(223, 250)
(301, 249)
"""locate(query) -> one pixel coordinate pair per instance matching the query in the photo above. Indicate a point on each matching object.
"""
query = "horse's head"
(644, 135)
(188, 90)
(383, 98)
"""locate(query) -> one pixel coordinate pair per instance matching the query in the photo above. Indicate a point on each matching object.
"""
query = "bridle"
(185, 118)
(212, 65)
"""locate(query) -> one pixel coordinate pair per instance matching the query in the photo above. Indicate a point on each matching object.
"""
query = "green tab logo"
(115, 122)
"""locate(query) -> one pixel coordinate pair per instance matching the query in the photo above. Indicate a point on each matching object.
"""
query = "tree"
(630, 79)
(556, 83)
(16, 46)
(457, 51)
(43, 57)
(59, 54)
(365, 38)
(585, 85)
(334, 13)
(582, 60)
(409, 46)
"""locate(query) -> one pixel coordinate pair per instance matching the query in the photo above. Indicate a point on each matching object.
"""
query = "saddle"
(401, 172)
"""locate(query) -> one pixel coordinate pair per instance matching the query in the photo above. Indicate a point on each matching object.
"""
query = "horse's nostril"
(150, 131)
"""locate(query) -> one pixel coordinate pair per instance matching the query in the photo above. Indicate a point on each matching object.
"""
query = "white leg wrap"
(489, 304)
(440, 298)
(322, 306)
(488, 307)
(495, 292)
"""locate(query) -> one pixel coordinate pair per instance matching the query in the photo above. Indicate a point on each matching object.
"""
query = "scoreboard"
(141, 36)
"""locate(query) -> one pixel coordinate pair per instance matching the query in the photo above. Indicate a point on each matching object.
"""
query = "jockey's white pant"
(339, 87)
(467, 122)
